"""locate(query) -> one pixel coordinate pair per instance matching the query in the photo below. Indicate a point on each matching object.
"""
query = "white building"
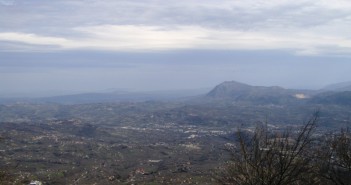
(35, 183)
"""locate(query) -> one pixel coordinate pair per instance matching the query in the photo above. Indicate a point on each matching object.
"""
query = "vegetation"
(289, 158)
(280, 159)
(335, 159)
(179, 142)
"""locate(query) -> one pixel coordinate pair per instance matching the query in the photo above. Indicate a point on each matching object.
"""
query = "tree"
(273, 159)
(335, 158)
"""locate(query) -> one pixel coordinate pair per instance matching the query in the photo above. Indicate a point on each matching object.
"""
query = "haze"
(69, 46)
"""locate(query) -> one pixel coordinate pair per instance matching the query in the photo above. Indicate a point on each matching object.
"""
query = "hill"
(240, 92)
(339, 87)
(111, 97)
(335, 98)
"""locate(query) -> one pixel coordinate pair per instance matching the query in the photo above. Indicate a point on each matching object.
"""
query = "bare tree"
(335, 158)
(276, 159)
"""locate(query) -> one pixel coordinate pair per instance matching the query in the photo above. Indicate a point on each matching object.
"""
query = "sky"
(73, 46)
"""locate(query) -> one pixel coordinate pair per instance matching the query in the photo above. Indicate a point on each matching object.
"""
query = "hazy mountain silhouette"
(343, 86)
(229, 91)
(236, 91)
(336, 98)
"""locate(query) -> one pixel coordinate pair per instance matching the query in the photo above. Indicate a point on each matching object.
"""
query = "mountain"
(339, 87)
(335, 98)
(239, 92)
(229, 91)
(111, 97)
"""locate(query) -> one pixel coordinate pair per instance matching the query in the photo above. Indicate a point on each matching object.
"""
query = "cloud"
(150, 38)
(302, 26)
(32, 39)
(7, 2)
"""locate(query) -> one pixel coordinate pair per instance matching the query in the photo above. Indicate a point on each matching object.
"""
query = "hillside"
(239, 92)
(336, 98)
(339, 87)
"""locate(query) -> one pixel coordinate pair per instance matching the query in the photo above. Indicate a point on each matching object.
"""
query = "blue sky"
(67, 46)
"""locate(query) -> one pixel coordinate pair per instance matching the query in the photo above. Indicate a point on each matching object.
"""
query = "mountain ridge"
(227, 91)
(338, 87)
(240, 92)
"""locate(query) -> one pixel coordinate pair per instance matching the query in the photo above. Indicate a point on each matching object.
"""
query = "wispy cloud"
(33, 39)
(302, 26)
(148, 38)
(7, 2)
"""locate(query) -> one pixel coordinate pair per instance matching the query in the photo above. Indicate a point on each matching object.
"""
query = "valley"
(148, 142)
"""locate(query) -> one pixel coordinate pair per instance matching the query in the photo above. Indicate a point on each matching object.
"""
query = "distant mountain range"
(332, 97)
(339, 87)
(230, 91)
(114, 97)
(110, 97)
(236, 91)
(339, 94)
